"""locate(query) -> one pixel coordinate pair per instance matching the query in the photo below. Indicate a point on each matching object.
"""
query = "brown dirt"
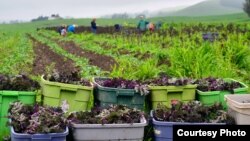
(164, 62)
(123, 51)
(143, 56)
(104, 62)
(46, 58)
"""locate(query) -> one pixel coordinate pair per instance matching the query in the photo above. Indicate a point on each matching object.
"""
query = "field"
(177, 49)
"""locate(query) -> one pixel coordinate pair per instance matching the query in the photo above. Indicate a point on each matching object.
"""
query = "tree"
(120, 16)
(247, 7)
(40, 18)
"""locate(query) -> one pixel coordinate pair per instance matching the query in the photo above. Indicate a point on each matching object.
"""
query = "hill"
(211, 7)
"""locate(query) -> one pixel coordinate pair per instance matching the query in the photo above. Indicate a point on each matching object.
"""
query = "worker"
(158, 25)
(71, 28)
(93, 26)
(142, 25)
(64, 31)
(151, 27)
(59, 29)
(117, 27)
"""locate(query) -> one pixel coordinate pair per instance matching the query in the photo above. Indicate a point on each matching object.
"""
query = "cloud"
(28, 9)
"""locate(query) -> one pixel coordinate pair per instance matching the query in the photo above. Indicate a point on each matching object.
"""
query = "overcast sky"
(28, 9)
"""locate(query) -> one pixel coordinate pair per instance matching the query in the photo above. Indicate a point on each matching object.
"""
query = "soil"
(123, 51)
(142, 56)
(106, 63)
(45, 58)
(164, 62)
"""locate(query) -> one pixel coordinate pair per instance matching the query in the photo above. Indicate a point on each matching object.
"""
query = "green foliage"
(140, 70)
(16, 53)
(177, 50)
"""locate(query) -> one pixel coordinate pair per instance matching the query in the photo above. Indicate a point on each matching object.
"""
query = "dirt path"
(47, 60)
(106, 63)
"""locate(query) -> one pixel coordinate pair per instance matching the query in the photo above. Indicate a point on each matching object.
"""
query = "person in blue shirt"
(93, 26)
(71, 28)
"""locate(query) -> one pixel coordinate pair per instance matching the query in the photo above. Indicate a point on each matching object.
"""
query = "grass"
(211, 7)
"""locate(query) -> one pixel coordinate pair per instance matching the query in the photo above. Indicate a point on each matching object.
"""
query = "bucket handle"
(124, 93)
(175, 90)
(68, 89)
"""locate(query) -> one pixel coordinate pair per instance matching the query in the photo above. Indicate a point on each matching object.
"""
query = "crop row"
(16, 53)
(87, 70)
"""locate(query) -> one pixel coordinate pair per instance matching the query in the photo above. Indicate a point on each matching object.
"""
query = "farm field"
(177, 50)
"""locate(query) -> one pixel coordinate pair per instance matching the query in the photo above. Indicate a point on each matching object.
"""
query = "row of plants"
(86, 69)
(89, 43)
(127, 62)
(174, 29)
(15, 53)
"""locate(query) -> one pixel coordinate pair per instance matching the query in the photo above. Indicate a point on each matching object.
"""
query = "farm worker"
(151, 27)
(142, 25)
(59, 29)
(64, 32)
(158, 25)
(117, 27)
(71, 28)
(93, 26)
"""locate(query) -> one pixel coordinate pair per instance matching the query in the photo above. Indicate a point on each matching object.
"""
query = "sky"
(28, 9)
